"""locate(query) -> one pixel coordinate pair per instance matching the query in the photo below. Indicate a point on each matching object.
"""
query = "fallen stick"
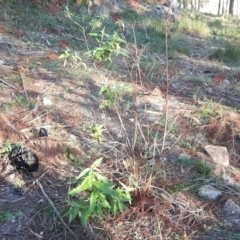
(6, 83)
(54, 208)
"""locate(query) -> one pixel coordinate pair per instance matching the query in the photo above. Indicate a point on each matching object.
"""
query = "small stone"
(225, 82)
(119, 135)
(156, 92)
(174, 86)
(218, 154)
(195, 55)
(230, 207)
(47, 102)
(184, 156)
(207, 191)
(209, 90)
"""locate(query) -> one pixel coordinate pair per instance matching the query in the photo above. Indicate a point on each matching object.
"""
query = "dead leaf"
(219, 77)
(64, 43)
(51, 57)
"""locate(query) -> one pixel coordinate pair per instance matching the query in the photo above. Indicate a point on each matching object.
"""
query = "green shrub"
(97, 195)
(228, 54)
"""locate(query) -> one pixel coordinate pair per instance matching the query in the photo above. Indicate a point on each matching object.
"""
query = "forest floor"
(129, 99)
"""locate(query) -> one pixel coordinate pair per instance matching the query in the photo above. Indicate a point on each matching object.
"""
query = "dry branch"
(54, 208)
(6, 83)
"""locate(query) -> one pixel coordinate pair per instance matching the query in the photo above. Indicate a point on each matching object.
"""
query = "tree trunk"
(220, 4)
(231, 4)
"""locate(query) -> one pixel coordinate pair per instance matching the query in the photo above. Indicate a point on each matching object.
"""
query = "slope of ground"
(128, 98)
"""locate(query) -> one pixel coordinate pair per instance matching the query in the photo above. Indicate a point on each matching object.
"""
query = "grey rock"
(209, 192)
(208, 90)
(230, 207)
(184, 156)
(163, 12)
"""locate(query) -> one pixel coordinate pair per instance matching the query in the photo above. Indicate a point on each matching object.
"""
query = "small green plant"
(202, 168)
(208, 110)
(230, 53)
(97, 130)
(7, 148)
(72, 59)
(7, 215)
(96, 22)
(113, 94)
(108, 44)
(97, 194)
(194, 26)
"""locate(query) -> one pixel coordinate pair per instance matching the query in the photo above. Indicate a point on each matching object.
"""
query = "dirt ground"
(38, 92)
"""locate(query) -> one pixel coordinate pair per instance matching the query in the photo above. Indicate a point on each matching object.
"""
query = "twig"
(24, 89)
(54, 208)
(11, 86)
(35, 181)
(35, 234)
(13, 201)
(42, 115)
(167, 88)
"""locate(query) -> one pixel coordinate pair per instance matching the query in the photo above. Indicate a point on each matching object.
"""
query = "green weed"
(97, 130)
(7, 148)
(72, 59)
(208, 110)
(193, 26)
(99, 195)
(113, 95)
(202, 168)
(108, 44)
(7, 215)
(228, 54)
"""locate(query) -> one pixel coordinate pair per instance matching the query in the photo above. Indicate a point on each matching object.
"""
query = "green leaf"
(83, 173)
(93, 198)
(94, 34)
(114, 208)
(104, 203)
(79, 204)
(85, 215)
(85, 184)
(99, 210)
(100, 177)
(121, 206)
(97, 163)
(75, 212)
(105, 188)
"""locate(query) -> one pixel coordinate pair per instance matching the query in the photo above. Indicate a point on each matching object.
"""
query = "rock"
(175, 86)
(219, 155)
(228, 180)
(42, 132)
(209, 90)
(163, 12)
(47, 102)
(230, 207)
(184, 156)
(23, 158)
(207, 191)
(104, 7)
(173, 4)
(225, 83)
(156, 92)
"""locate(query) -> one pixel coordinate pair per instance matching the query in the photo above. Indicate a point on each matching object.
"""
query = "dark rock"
(23, 158)
(42, 132)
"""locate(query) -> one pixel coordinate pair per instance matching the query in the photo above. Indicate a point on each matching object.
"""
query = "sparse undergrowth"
(110, 91)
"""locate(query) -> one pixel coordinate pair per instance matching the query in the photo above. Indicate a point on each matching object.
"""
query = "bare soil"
(31, 78)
